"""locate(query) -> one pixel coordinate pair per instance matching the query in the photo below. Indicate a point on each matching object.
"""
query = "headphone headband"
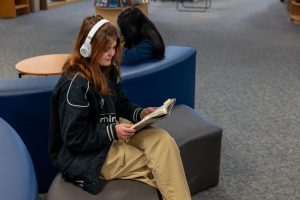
(95, 29)
(86, 49)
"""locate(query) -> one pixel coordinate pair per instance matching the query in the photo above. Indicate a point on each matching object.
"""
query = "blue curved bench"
(25, 105)
(25, 102)
(154, 81)
(18, 180)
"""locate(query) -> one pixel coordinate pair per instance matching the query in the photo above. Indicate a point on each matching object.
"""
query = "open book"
(156, 115)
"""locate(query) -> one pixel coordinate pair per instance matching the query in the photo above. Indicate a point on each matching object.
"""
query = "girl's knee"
(165, 137)
(162, 134)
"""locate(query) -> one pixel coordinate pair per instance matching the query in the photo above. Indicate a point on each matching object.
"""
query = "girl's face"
(105, 59)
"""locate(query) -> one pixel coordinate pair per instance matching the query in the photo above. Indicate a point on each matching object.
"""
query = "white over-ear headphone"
(86, 48)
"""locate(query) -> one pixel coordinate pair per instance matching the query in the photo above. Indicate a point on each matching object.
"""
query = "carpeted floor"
(248, 69)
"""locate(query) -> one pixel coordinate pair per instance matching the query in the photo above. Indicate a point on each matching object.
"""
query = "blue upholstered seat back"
(24, 104)
(152, 82)
(18, 180)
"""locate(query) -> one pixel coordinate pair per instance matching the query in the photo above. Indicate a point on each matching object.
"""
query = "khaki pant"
(150, 156)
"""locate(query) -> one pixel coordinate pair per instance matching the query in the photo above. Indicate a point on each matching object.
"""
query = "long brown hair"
(89, 68)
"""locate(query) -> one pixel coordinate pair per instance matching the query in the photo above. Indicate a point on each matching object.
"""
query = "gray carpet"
(248, 69)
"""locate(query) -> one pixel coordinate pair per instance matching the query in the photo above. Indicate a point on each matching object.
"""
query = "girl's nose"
(111, 52)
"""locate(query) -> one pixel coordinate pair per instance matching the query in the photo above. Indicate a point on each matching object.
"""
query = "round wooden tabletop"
(42, 65)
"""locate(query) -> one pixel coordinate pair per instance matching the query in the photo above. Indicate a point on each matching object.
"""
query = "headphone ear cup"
(86, 50)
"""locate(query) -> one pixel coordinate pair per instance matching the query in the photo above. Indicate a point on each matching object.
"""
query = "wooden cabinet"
(294, 8)
(11, 8)
(111, 14)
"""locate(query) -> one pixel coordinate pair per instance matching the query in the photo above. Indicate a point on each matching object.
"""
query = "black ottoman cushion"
(199, 141)
(113, 190)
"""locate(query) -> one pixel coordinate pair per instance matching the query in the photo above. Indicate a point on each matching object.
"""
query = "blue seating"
(154, 81)
(25, 102)
(24, 105)
(18, 180)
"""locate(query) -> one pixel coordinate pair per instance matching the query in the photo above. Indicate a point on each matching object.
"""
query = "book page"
(158, 112)
(156, 115)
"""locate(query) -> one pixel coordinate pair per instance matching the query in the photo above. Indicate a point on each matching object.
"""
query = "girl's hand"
(124, 131)
(147, 111)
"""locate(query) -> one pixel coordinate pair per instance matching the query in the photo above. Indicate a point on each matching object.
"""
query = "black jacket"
(82, 128)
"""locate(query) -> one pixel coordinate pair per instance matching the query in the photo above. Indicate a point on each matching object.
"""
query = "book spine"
(113, 3)
(101, 3)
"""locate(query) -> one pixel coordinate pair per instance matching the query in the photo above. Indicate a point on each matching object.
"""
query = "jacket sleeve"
(139, 53)
(79, 129)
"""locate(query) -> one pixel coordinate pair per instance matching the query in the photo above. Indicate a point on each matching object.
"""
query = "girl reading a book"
(142, 39)
(88, 142)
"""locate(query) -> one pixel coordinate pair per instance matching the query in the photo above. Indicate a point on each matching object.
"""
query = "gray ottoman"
(199, 141)
(113, 190)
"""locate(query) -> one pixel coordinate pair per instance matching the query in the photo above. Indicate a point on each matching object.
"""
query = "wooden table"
(42, 65)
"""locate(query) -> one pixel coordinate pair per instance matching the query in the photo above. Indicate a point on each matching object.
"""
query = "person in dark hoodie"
(142, 41)
(90, 141)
